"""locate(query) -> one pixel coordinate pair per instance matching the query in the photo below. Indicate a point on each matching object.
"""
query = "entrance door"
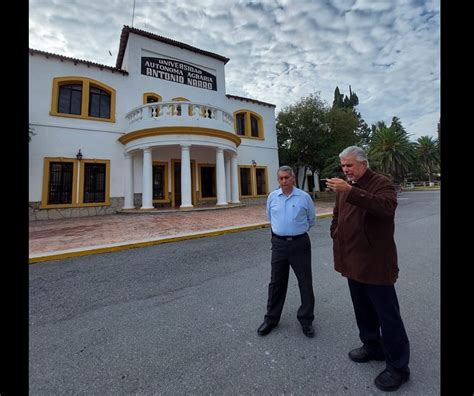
(176, 183)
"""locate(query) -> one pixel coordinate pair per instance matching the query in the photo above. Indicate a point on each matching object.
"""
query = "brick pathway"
(85, 232)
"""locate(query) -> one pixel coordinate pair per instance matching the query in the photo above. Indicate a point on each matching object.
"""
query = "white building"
(157, 130)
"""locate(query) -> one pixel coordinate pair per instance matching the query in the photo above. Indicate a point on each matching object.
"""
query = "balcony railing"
(185, 114)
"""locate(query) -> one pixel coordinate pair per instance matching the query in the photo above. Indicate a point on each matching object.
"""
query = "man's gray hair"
(286, 168)
(356, 151)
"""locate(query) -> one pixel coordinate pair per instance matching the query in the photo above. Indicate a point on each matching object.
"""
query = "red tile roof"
(126, 30)
(123, 43)
(250, 100)
(76, 61)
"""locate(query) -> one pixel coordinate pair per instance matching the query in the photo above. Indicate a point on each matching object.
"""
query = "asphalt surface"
(181, 318)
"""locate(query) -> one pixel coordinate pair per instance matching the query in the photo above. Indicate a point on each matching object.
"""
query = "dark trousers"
(297, 254)
(380, 325)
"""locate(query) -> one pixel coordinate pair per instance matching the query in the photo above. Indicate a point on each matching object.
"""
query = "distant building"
(156, 130)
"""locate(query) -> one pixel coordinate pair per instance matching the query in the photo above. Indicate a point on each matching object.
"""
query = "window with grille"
(245, 182)
(261, 181)
(60, 183)
(94, 182)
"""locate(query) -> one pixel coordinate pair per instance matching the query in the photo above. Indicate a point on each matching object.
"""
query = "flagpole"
(133, 13)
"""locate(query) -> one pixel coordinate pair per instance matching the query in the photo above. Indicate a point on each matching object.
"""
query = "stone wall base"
(35, 213)
(116, 204)
(253, 200)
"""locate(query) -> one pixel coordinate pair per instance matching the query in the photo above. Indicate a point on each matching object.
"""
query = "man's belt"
(288, 237)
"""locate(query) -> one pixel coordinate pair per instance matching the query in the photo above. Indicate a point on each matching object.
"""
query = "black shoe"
(389, 380)
(361, 355)
(265, 328)
(308, 331)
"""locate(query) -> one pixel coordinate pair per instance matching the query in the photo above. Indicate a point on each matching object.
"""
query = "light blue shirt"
(292, 215)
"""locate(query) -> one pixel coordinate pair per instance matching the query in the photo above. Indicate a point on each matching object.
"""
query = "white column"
(147, 192)
(220, 177)
(186, 201)
(227, 178)
(316, 181)
(128, 202)
(234, 178)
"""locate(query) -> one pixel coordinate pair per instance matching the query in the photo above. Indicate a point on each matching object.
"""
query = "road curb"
(63, 254)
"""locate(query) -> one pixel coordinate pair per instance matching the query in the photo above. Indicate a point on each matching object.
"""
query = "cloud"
(279, 50)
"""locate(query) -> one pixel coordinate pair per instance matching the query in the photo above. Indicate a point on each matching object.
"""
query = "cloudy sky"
(388, 51)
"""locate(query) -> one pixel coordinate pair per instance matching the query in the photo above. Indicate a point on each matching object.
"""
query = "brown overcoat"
(363, 228)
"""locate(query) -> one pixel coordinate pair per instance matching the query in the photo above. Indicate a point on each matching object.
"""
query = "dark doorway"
(208, 182)
(310, 183)
(177, 183)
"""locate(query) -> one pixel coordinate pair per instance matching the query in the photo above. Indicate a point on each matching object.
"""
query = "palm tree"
(427, 155)
(392, 152)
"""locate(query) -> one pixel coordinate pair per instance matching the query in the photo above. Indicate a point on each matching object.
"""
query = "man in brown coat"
(365, 253)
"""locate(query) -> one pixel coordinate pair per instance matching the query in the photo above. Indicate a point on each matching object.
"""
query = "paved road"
(181, 318)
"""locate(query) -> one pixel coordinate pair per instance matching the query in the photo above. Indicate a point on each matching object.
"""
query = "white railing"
(186, 113)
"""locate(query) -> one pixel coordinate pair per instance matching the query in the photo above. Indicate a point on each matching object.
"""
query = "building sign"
(179, 72)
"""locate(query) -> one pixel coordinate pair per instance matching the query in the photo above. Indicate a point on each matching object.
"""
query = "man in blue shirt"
(291, 213)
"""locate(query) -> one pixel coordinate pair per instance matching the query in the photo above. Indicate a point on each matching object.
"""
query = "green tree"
(397, 126)
(311, 135)
(345, 102)
(427, 155)
(391, 151)
(300, 133)
(342, 128)
(349, 103)
(338, 99)
(364, 133)
(340, 133)
(378, 126)
(439, 134)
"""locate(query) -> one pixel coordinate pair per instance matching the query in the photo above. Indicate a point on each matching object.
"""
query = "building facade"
(156, 131)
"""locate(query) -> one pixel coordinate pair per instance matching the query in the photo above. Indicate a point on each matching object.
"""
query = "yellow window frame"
(86, 84)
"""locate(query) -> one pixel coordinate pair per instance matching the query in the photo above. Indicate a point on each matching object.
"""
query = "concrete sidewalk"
(58, 239)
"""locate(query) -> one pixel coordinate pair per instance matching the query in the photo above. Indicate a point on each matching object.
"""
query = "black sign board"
(179, 72)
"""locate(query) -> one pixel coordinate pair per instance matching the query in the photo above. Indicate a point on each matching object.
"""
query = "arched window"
(248, 124)
(151, 97)
(81, 97)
